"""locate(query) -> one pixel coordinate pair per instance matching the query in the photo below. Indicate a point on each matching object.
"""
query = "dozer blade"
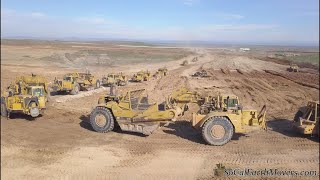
(139, 128)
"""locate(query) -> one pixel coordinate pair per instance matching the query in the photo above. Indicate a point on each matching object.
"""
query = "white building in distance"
(244, 49)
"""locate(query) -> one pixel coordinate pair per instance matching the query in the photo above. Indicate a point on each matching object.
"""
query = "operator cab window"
(134, 102)
(232, 102)
(68, 78)
(144, 103)
(35, 92)
(144, 100)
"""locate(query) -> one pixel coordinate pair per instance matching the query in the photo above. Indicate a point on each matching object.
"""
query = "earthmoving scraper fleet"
(218, 118)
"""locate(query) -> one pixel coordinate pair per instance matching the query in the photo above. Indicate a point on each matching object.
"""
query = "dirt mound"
(77, 59)
(57, 59)
(65, 98)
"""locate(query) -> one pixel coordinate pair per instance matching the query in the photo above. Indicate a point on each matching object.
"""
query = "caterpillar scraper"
(141, 76)
(306, 120)
(185, 63)
(161, 72)
(27, 95)
(293, 68)
(117, 79)
(74, 82)
(132, 112)
(218, 118)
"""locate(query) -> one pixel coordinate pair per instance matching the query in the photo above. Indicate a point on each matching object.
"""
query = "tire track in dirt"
(262, 88)
(293, 80)
(233, 152)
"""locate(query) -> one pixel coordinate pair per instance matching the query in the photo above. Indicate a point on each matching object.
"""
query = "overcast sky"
(255, 21)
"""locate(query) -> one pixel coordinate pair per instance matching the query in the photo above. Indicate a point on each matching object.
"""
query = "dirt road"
(61, 144)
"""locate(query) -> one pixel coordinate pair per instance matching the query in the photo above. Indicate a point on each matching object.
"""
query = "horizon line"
(194, 42)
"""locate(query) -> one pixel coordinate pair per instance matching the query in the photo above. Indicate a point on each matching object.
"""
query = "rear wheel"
(53, 93)
(76, 89)
(217, 131)
(4, 111)
(123, 83)
(102, 120)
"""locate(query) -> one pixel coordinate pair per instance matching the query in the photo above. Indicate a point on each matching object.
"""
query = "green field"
(306, 58)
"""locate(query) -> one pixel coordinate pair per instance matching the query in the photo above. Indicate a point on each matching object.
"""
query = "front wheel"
(122, 83)
(102, 120)
(76, 89)
(217, 131)
(34, 110)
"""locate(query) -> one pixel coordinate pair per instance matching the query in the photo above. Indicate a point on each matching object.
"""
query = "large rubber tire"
(98, 84)
(4, 111)
(225, 134)
(34, 110)
(105, 115)
(76, 89)
(53, 93)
